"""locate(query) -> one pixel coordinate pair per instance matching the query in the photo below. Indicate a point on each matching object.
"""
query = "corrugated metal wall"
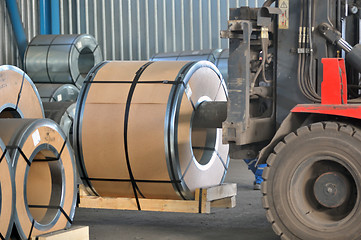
(131, 29)
(29, 12)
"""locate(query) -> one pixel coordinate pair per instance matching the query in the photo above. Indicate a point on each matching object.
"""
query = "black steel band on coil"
(126, 118)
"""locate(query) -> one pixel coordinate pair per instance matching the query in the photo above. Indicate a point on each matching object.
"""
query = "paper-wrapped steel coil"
(57, 92)
(44, 173)
(7, 194)
(61, 58)
(133, 129)
(217, 56)
(62, 113)
(19, 97)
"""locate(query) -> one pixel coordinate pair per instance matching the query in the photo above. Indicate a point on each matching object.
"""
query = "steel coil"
(57, 92)
(217, 56)
(19, 97)
(222, 63)
(61, 58)
(44, 175)
(62, 113)
(7, 194)
(133, 129)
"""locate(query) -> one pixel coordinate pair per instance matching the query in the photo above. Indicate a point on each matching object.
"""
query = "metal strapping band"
(53, 207)
(3, 155)
(31, 229)
(19, 94)
(140, 82)
(200, 200)
(51, 159)
(21, 153)
(129, 180)
(126, 118)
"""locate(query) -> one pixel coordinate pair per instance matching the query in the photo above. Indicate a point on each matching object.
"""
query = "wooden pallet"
(73, 233)
(221, 196)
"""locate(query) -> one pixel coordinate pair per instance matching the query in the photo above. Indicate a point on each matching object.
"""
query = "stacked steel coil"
(18, 95)
(44, 176)
(136, 117)
(62, 113)
(217, 56)
(61, 58)
(58, 64)
(37, 167)
(58, 92)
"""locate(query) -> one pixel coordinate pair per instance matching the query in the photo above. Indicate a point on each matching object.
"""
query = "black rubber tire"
(302, 156)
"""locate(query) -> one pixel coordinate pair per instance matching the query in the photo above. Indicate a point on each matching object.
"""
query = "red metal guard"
(333, 92)
(334, 85)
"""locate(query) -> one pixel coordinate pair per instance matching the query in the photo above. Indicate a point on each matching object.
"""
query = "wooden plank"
(229, 202)
(217, 196)
(73, 233)
(160, 205)
(221, 191)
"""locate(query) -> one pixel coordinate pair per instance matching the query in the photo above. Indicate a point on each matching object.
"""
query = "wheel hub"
(331, 189)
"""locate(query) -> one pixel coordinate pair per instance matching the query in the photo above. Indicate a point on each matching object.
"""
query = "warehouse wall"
(131, 29)
(29, 12)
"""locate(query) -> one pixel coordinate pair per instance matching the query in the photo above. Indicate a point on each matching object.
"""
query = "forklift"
(294, 103)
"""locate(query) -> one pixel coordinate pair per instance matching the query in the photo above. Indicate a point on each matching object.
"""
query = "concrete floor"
(246, 221)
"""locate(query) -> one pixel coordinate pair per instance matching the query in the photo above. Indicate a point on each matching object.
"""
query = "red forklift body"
(333, 93)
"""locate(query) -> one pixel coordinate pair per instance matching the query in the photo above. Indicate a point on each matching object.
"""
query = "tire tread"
(288, 139)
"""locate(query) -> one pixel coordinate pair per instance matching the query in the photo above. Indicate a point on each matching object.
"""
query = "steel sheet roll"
(19, 97)
(61, 58)
(44, 173)
(217, 56)
(133, 129)
(62, 113)
(222, 63)
(57, 92)
(7, 194)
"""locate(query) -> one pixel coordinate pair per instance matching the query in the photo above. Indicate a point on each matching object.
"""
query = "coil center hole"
(203, 141)
(9, 113)
(44, 187)
(85, 61)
